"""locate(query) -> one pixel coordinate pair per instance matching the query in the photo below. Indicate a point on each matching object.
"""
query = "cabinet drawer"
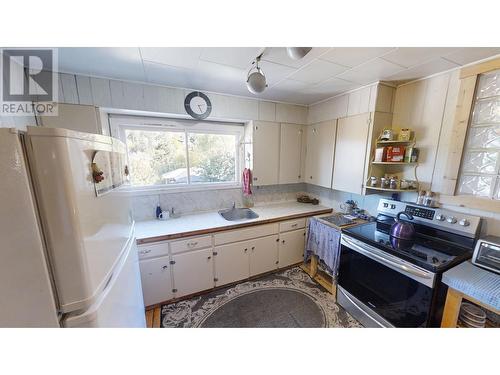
(286, 226)
(191, 244)
(246, 234)
(152, 250)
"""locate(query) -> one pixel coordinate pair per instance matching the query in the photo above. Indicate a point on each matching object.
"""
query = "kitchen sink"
(236, 214)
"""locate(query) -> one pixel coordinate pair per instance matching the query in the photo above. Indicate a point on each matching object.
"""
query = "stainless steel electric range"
(387, 282)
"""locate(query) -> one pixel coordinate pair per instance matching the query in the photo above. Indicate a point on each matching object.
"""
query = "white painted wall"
(77, 89)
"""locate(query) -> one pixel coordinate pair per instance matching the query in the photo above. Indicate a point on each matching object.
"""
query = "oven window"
(399, 299)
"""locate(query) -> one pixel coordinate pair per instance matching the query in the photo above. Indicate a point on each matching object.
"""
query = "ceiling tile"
(372, 71)
(274, 72)
(183, 57)
(423, 70)
(467, 55)
(120, 63)
(167, 75)
(279, 55)
(291, 85)
(317, 71)
(411, 56)
(352, 56)
(332, 86)
(232, 56)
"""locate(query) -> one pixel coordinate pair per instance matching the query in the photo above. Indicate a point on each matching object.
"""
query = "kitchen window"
(480, 168)
(168, 154)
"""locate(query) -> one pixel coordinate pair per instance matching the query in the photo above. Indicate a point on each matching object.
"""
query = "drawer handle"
(294, 225)
(246, 250)
(145, 251)
(164, 267)
(209, 257)
(283, 241)
(191, 244)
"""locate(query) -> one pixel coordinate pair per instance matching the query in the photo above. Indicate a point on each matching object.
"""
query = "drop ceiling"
(323, 73)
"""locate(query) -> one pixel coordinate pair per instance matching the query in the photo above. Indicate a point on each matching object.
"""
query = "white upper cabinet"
(290, 153)
(350, 153)
(320, 152)
(266, 152)
(82, 118)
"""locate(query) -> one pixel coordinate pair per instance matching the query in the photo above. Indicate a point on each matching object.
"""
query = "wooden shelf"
(392, 190)
(396, 142)
(393, 163)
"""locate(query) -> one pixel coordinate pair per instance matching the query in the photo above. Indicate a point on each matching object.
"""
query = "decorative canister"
(384, 182)
(373, 181)
(393, 183)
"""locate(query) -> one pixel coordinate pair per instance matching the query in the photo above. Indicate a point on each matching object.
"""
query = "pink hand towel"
(247, 178)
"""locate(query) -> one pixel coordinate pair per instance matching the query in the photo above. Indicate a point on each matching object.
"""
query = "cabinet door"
(290, 153)
(263, 255)
(266, 148)
(82, 118)
(350, 153)
(232, 262)
(319, 154)
(156, 280)
(291, 247)
(193, 272)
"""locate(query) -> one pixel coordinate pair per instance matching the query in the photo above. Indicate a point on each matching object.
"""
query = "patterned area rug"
(286, 299)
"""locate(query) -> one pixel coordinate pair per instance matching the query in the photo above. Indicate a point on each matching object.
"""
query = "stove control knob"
(393, 206)
(440, 217)
(386, 205)
(464, 222)
(451, 220)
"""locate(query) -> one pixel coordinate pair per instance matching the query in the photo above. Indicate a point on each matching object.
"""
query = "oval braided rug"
(286, 299)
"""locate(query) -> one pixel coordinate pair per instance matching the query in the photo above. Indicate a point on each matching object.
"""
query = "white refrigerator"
(67, 247)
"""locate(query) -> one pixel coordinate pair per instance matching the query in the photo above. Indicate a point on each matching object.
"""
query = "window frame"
(119, 125)
(469, 78)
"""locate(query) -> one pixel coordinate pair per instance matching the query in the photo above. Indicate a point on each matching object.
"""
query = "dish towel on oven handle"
(247, 178)
(323, 241)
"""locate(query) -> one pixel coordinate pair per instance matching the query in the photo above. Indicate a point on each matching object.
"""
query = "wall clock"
(197, 105)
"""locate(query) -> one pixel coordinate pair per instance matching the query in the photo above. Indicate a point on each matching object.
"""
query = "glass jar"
(373, 181)
(393, 183)
(384, 183)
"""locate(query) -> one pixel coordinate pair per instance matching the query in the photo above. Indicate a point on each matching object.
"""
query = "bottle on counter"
(421, 197)
(429, 199)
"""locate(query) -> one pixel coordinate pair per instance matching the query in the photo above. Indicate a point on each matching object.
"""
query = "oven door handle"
(374, 253)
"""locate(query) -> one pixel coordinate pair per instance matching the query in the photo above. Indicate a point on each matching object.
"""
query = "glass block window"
(480, 170)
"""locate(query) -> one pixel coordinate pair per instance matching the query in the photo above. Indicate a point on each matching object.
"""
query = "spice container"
(404, 184)
(429, 199)
(373, 181)
(421, 197)
(384, 182)
(404, 135)
(393, 183)
(411, 155)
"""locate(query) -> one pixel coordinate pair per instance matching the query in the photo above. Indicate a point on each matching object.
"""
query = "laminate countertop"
(208, 222)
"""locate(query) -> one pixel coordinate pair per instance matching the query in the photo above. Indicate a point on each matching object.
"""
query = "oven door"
(385, 288)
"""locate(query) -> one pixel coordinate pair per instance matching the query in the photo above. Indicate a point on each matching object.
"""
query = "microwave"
(487, 253)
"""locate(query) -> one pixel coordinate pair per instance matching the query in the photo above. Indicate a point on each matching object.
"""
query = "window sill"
(469, 201)
(140, 191)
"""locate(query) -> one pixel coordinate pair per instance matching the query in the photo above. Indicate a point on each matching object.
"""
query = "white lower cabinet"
(178, 268)
(263, 255)
(193, 272)
(291, 247)
(156, 280)
(231, 262)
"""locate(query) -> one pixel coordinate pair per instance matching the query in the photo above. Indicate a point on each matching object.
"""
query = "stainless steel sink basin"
(236, 214)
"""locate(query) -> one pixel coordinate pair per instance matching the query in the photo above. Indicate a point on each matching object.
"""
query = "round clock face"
(198, 105)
